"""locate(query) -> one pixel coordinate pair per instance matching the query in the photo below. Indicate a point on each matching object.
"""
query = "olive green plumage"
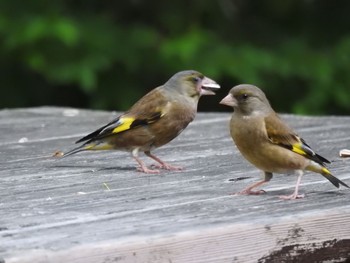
(267, 142)
(156, 119)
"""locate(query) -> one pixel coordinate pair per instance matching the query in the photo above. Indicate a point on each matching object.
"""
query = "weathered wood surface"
(62, 210)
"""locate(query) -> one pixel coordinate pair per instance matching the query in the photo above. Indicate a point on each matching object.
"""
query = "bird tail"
(80, 148)
(327, 174)
(95, 146)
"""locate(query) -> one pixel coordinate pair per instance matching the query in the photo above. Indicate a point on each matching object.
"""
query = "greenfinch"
(154, 120)
(267, 142)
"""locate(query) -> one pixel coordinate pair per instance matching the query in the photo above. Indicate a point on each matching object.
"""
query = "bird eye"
(244, 96)
(196, 79)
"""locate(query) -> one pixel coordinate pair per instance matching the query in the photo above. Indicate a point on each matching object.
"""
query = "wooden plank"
(61, 210)
(283, 241)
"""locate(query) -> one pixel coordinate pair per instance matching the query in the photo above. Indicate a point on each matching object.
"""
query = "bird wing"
(147, 110)
(280, 134)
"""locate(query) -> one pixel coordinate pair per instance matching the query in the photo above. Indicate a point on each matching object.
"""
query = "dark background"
(106, 54)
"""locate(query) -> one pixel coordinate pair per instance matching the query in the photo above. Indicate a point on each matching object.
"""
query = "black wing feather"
(94, 134)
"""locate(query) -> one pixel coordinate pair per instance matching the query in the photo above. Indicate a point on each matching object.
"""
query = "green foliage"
(107, 54)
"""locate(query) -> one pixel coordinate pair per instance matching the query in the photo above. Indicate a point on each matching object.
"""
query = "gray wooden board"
(62, 210)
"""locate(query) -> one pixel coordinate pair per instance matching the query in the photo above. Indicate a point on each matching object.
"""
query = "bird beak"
(229, 101)
(208, 86)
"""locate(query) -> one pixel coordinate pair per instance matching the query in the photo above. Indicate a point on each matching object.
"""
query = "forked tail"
(93, 146)
(80, 148)
(327, 174)
(334, 180)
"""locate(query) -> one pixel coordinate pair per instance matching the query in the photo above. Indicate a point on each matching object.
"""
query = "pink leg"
(295, 195)
(143, 168)
(249, 189)
(163, 165)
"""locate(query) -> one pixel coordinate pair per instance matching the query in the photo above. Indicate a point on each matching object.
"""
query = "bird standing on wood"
(156, 119)
(267, 142)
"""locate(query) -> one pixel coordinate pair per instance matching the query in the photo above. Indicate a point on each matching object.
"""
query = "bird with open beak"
(153, 121)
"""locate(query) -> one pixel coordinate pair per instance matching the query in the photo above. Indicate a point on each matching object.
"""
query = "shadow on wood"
(95, 207)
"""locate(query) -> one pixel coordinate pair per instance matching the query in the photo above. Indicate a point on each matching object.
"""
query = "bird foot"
(147, 170)
(292, 196)
(250, 192)
(168, 167)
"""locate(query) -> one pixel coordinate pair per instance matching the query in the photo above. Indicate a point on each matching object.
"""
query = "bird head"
(192, 84)
(247, 99)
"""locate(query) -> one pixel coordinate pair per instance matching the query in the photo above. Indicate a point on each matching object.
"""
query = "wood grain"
(95, 207)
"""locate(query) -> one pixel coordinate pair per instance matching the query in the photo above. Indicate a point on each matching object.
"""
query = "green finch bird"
(156, 119)
(267, 142)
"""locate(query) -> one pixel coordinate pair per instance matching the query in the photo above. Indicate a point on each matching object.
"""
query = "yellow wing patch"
(297, 149)
(124, 125)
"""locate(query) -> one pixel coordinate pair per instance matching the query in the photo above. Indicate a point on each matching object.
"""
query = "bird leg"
(162, 165)
(249, 189)
(295, 195)
(143, 168)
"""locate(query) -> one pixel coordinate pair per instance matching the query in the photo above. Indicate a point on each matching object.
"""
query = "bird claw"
(291, 197)
(168, 167)
(165, 166)
(147, 171)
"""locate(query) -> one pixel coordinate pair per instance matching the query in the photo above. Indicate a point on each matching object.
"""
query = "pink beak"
(208, 86)
(229, 101)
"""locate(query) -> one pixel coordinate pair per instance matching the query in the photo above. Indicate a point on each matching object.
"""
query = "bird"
(153, 121)
(268, 143)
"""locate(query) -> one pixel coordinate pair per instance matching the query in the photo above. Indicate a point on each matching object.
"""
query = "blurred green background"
(104, 54)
